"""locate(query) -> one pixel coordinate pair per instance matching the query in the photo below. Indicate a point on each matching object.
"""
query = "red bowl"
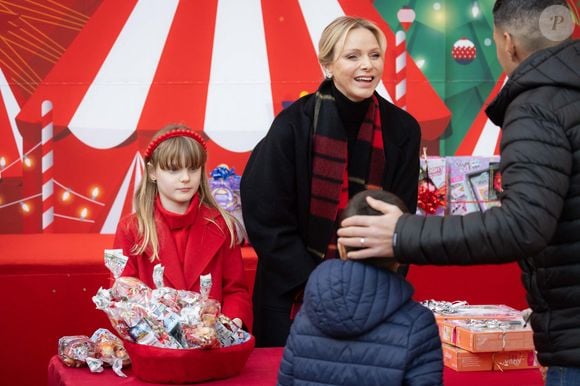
(167, 365)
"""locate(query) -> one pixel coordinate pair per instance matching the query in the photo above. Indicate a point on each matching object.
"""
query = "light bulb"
(475, 11)
(25, 207)
(95, 192)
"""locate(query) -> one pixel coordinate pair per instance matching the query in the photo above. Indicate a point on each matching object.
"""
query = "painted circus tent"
(225, 67)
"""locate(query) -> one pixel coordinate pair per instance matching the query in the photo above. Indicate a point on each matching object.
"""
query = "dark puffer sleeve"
(536, 162)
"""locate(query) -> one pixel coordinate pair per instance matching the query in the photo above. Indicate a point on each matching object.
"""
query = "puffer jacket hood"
(348, 298)
(550, 67)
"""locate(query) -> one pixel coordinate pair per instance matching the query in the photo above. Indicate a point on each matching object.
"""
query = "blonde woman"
(318, 153)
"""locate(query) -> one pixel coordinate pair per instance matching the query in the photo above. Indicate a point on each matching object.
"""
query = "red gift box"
(166, 365)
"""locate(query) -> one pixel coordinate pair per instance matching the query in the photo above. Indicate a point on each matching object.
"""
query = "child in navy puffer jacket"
(359, 325)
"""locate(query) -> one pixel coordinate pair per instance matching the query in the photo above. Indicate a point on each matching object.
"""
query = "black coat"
(275, 192)
(360, 326)
(538, 223)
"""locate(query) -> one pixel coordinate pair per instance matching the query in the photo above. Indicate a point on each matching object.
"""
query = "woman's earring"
(328, 75)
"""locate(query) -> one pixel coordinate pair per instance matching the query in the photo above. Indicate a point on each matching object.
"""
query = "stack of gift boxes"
(458, 185)
(474, 337)
(484, 338)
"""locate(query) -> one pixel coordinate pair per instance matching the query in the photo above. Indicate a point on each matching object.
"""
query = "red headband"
(171, 134)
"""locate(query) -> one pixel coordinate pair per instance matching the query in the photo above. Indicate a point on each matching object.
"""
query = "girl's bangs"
(180, 152)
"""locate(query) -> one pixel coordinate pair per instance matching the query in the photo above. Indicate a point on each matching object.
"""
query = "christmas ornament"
(464, 51)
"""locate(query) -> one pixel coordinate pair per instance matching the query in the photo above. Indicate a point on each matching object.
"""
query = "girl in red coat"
(178, 224)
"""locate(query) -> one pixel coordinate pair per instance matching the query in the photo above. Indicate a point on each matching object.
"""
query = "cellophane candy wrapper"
(109, 350)
(74, 350)
(102, 348)
(224, 185)
(168, 318)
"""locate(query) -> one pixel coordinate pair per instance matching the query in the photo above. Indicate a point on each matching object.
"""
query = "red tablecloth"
(262, 369)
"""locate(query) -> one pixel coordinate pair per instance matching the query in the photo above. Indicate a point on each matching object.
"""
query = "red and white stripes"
(401, 70)
(47, 166)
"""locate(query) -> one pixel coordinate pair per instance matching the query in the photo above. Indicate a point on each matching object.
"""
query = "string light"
(27, 161)
(420, 63)
(84, 213)
(25, 207)
(66, 195)
(475, 11)
(2, 163)
(95, 192)
(72, 192)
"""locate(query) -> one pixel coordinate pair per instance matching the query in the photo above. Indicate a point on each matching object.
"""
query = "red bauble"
(464, 51)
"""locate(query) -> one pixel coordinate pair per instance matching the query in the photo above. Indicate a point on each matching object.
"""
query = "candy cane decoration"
(47, 166)
(406, 16)
(400, 70)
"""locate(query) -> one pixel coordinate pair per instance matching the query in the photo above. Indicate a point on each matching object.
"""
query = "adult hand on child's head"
(374, 234)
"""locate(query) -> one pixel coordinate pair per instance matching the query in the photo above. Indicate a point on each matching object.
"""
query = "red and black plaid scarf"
(333, 181)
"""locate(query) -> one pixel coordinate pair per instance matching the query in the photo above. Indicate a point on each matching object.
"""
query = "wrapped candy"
(115, 261)
(200, 336)
(165, 317)
(131, 289)
(109, 348)
(102, 348)
(74, 350)
(228, 332)
(164, 295)
(224, 185)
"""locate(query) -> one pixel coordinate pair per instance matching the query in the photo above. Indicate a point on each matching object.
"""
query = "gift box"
(462, 360)
(487, 335)
(469, 184)
(515, 360)
(177, 366)
(432, 194)
(461, 310)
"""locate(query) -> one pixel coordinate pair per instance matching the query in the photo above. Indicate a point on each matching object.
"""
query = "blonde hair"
(173, 153)
(335, 33)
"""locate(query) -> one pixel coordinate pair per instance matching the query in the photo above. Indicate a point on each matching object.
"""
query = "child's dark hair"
(358, 205)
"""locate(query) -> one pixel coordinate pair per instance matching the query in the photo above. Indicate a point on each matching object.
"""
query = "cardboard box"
(509, 335)
(463, 360)
(515, 360)
(469, 184)
(481, 311)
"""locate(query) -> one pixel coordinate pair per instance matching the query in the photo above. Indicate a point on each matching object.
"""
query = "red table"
(262, 369)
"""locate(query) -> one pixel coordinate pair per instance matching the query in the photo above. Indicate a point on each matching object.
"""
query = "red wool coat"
(206, 250)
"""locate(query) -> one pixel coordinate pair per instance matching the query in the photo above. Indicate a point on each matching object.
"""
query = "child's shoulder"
(128, 221)
(213, 216)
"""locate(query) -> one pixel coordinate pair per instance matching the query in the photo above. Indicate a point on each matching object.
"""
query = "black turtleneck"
(351, 113)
